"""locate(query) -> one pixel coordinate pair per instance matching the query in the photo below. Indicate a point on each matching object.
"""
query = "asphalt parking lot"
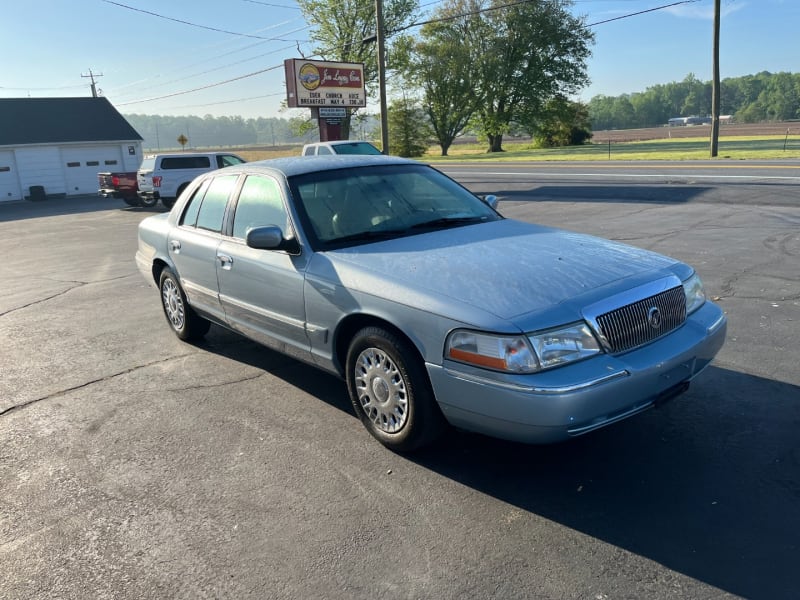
(133, 465)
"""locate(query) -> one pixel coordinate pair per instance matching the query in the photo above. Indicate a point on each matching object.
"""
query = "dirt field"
(693, 131)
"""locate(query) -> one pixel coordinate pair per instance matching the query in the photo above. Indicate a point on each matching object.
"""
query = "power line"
(641, 12)
(147, 12)
(518, 2)
(270, 4)
(205, 87)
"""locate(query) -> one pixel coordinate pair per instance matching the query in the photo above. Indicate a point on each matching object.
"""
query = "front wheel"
(186, 323)
(390, 391)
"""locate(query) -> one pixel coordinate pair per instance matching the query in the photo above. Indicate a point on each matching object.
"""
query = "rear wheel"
(186, 323)
(148, 201)
(132, 200)
(390, 391)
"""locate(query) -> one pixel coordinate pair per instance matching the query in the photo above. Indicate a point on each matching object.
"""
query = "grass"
(737, 148)
(765, 147)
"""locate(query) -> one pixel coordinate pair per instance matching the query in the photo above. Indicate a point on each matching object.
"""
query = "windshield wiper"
(370, 235)
(445, 222)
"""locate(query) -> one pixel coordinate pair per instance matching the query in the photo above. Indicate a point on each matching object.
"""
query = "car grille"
(643, 321)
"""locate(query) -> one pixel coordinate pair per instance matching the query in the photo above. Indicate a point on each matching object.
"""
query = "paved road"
(135, 466)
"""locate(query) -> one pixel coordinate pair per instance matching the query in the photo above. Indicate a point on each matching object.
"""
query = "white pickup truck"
(339, 147)
(164, 176)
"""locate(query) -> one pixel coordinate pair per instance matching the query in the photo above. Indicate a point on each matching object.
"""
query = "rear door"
(193, 244)
(262, 290)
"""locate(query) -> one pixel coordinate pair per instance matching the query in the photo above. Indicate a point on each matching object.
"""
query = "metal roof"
(61, 120)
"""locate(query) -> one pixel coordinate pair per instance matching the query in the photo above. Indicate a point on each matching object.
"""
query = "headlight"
(567, 344)
(695, 294)
(501, 353)
(522, 354)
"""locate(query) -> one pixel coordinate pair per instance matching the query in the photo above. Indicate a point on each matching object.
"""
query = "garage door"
(9, 178)
(82, 164)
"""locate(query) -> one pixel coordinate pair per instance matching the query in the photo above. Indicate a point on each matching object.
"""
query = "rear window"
(186, 162)
(356, 148)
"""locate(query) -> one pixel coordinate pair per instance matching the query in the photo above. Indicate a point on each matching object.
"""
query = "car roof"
(339, 142)
(300, 165)
(214, 153)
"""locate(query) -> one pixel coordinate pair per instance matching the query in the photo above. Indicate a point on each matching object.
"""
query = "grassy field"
(739, 148)
(776, 141)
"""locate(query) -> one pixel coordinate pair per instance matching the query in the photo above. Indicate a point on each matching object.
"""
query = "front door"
(262, 290)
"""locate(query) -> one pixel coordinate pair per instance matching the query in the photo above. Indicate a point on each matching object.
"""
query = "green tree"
(339, 28)
(561, 123)
(409, 133)
(527, 54)
(439, 63)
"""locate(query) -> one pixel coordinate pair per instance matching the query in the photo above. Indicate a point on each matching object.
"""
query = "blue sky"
(147, 62)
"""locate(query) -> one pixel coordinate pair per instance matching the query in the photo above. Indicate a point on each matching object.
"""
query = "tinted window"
(186, 162)
(356, 148)
(228, 160)
(260, 203)
(324, 150)
(193, 206)
(212, 210)
(308, 151)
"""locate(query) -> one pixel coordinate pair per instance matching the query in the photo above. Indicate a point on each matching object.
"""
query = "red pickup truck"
(119, 185)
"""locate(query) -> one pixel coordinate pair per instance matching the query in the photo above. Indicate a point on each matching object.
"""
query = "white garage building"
(60, 144)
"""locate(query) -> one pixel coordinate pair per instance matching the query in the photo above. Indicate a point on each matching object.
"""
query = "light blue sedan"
(434, 308)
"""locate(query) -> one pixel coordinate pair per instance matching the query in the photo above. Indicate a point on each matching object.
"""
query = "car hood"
(505, 268)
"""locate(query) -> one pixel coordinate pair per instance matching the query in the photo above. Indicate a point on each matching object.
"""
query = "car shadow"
(70, 205)
(707, 485)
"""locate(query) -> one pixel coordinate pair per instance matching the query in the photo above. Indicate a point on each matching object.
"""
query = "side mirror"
(491, 200)
(271, 237)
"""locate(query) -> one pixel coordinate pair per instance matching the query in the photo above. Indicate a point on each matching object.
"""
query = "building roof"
(60, 120)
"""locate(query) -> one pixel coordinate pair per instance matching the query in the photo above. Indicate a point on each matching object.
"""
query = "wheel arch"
(352, 324)
(159, 265)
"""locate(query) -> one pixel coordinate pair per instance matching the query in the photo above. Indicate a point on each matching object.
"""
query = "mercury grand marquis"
(434, 308)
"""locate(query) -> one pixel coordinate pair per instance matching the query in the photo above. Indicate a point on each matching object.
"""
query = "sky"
(225, 58)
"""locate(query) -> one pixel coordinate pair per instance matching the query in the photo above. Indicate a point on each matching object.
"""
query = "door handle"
(175, 246)
(225, 261)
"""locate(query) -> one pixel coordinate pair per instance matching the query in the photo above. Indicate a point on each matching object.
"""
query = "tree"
(529, 52)
(440, 65)
(408, 129)
(339, 28)
(561, 123)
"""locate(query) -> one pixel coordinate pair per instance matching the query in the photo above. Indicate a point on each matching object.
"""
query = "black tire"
(132, 201)
(170, 202)
(148, 201)
(390, 391)
(186, 323)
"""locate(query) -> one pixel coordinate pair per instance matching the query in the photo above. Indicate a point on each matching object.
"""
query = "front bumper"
(568, 401)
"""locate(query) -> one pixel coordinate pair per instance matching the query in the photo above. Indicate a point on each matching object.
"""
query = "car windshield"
(366, 204)
(355, 148)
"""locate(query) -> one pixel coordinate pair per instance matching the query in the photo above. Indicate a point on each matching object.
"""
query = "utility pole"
(715, 86)
(94, 86)
(382, 76)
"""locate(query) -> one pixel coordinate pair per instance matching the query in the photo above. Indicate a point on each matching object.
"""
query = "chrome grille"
(643, 321)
